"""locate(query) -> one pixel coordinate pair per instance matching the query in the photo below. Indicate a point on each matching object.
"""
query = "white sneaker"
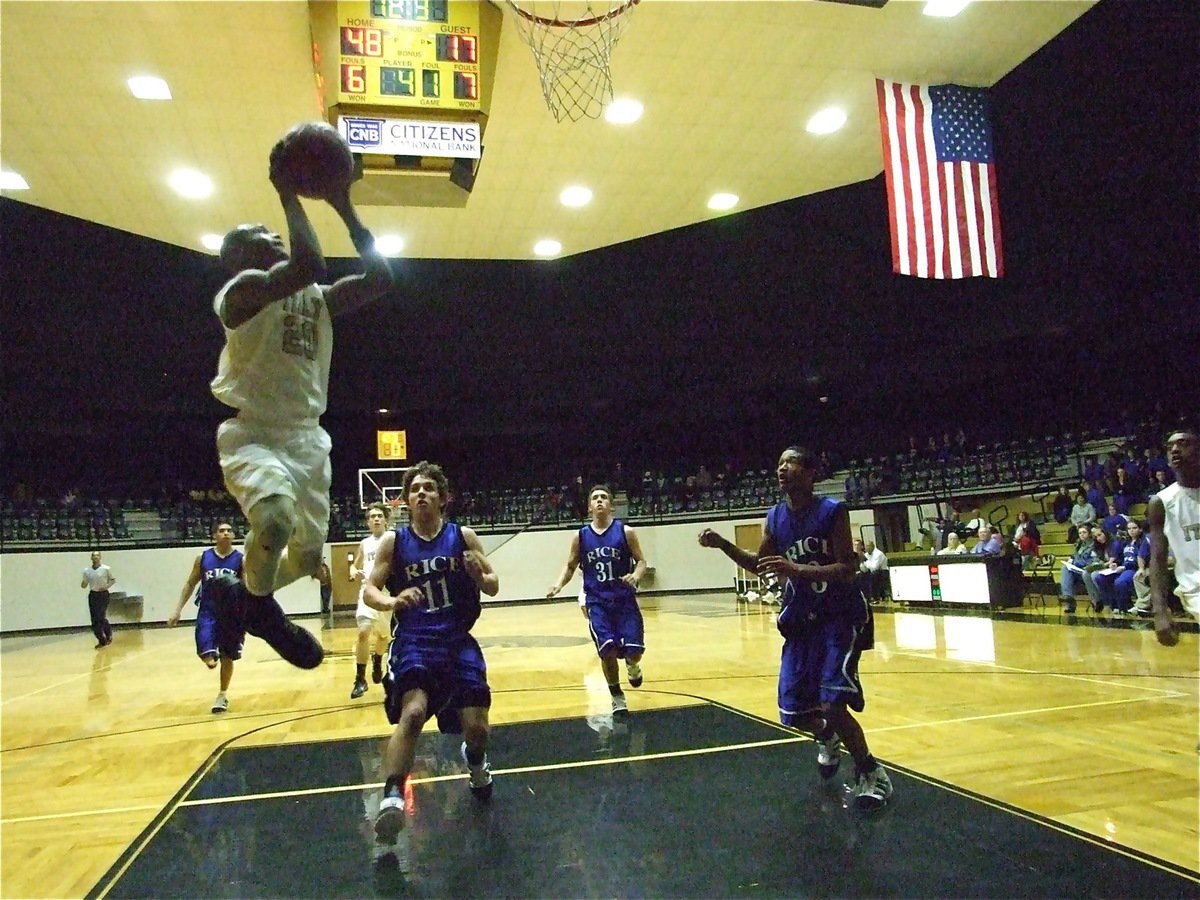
(480, 781)
(389, 821)
(634, 671)
(619, 706)
(873, 790)
(221, 704)
(829, 756)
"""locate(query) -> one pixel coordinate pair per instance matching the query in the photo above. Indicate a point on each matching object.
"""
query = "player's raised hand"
(709, 538)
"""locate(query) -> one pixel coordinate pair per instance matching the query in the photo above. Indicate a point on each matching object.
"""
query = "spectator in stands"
(704, 479)
(1093, 471)
(98, 578)
(1095, 496)
(954, 546)
(1075, 569)
(989, 544)
(1126, 493)
(960, 444)
(875, 567)
(977, 521)
(1026, 538)
(1127, 561)
(1102, 543)
(1062, 505)
(1161, 483)
(1115, 525)
(1082, 513)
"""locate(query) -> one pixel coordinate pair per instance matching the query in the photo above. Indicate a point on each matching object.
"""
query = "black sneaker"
(264, 619)
(360, 688)
(376, 668)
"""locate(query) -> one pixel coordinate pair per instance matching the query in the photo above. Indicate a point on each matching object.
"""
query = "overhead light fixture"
(190, 183)
(576, 195)
(827, 121)
(623, 111)
(212, 241)
(383, 410)
(944, 9)
(389, 244)
(547, 247)
(149, 87)
(722, 201)
(11, 181)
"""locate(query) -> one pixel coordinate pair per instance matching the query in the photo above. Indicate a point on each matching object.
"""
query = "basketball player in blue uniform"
(219, 637)
(610, 557)
(428, 575)
(824, 620)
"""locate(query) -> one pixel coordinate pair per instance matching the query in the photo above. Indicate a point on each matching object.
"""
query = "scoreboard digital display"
(409, 53)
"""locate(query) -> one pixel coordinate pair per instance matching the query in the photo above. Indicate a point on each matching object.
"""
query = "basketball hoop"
(572, 44)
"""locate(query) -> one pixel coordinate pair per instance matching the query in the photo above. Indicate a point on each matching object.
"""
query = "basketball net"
(572, 43)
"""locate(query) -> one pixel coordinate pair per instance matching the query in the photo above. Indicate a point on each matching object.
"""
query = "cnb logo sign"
(363, 132)
(391, 445)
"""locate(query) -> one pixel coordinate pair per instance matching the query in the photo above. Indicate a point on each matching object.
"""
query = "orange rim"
(576, 23)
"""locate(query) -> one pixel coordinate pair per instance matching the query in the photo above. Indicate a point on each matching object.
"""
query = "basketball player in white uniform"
(1174, 519)
(371, 622)
(274, 370)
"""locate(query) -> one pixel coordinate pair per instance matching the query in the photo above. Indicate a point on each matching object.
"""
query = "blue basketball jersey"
(806, 536)
(604, 558)
(213, 565)
(436, 567)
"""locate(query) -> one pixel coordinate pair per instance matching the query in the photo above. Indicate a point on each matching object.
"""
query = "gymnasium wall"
(41, 590)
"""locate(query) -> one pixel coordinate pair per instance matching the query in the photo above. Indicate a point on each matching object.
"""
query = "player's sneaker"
(873, 790)
(263, 618)
(221, 704)
(829, 756)
(634, 671)
(376, 668)
(389, 822)
(619, 706)
(360, 688)
(480, 781)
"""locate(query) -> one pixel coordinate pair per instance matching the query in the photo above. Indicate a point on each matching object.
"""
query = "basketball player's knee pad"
(272, 520)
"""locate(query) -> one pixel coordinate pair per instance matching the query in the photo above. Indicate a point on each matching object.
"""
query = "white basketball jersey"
(370, 546)
(1182, 527)
(274, 367)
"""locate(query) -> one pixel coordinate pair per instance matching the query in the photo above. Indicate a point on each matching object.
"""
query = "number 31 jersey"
(604, 558)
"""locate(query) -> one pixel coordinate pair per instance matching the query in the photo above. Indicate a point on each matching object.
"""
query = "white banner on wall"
(412, 137)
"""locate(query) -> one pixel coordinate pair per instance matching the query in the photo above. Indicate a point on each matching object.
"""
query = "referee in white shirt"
(98, 578)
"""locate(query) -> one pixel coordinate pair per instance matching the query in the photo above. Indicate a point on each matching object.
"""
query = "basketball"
(313, 159)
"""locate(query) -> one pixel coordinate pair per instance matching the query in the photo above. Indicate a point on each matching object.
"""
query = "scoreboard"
(405, 53)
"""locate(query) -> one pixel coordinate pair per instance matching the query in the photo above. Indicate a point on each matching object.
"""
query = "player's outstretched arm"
(375, 593)
(478, 566)
(193, 579)
(634, 578)
(568, 568)
(349, 293)
(1164, 622)
(744, 558)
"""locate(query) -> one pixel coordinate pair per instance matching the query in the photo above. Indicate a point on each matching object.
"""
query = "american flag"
(941, 180)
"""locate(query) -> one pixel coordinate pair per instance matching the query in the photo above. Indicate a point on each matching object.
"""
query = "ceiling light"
(383, 410)
(190, 183)
(576, 195)
(623, 111)
(944, 9)
(722, 201)
(11, 181)
(389, 244)
(149, 87)
(212, 241)
(826, 121)
(547, 247)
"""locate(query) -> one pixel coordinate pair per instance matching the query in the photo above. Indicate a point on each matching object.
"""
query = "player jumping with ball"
(274, 370)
